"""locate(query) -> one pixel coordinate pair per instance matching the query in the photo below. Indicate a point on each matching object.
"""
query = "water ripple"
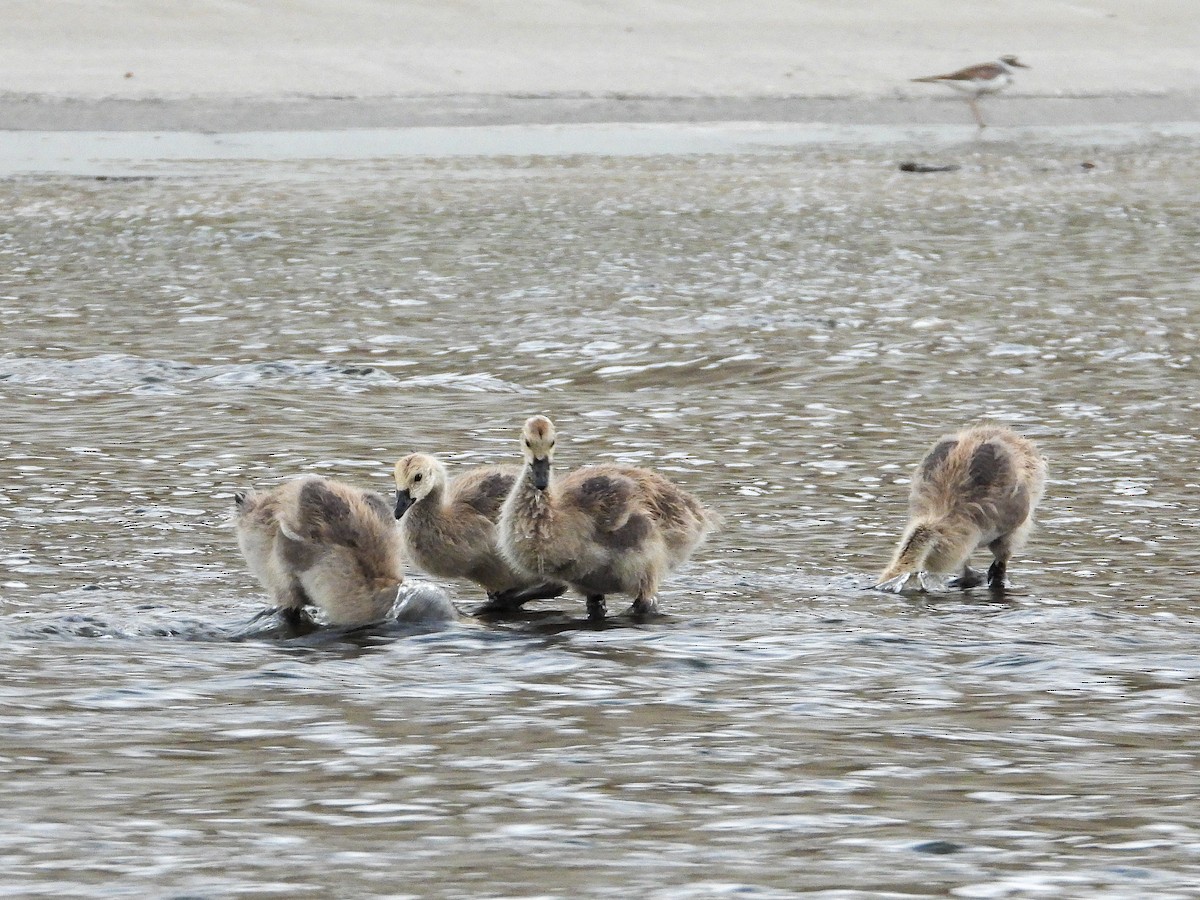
(782, 333)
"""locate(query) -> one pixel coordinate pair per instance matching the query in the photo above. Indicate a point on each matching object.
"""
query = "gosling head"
(416, 476)
(1013, 62)
(537, 444)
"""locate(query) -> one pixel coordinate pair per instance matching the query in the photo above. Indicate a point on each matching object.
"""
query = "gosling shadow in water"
(934, 593)
(269, 627)
(552, 621)
(420, 608)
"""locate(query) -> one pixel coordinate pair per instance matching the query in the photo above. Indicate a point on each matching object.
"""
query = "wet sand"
(216, 114)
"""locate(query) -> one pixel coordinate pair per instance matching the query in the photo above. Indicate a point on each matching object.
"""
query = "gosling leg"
(596, 609)
(1001, 549)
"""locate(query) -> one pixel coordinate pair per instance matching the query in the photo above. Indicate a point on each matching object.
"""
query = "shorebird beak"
(403, 501)
(541, 473)
(1020, 65)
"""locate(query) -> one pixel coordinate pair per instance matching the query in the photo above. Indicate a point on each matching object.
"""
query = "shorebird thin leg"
(975, 111)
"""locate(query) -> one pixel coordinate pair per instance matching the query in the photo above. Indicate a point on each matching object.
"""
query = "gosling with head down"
(322, 542)
(976, 488)
(604, 529)
(449, 529)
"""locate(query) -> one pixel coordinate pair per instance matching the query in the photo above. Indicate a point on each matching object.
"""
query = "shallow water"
(784, 333)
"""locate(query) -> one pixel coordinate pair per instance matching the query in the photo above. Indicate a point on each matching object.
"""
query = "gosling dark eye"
(552, 443)
(416, 478)
(527, 444)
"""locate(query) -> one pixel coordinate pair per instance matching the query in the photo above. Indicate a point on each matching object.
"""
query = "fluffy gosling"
(602, 529)
(322, 542)
(978, 487)
(449, 529)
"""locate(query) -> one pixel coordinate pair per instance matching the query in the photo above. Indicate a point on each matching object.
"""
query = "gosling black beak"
(541, 473)
(403, 501)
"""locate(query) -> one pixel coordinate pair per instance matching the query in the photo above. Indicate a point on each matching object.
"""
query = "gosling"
(449, 529)
(603, 529)
(325, 543)
(974, 488)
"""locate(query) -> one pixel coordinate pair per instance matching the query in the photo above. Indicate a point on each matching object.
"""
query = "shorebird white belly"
(979, 86)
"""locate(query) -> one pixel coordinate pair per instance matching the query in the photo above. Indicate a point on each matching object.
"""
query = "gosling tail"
(939, 546)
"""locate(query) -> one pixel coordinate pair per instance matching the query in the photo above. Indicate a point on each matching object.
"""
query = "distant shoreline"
(39, 112)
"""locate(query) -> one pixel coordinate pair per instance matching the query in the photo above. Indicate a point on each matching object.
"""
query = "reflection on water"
(783, 333)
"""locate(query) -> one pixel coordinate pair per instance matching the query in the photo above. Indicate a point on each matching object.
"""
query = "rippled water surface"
(784, 333)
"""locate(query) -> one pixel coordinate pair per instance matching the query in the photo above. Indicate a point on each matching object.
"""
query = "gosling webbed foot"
(970, 578)
(297, 621)
(498, 603)
(894, 585)
(927, 582)
(644, 608)
(931, 582)
(516, 596)
(547, 591)
(512, 599)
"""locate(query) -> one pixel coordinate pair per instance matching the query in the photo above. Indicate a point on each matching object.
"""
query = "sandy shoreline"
(223, 65)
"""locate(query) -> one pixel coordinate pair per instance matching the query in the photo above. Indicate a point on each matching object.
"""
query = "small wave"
(476, 383)
(110, 371)
(120, 372)
(96, 627)
(314, 373)
(267, 626)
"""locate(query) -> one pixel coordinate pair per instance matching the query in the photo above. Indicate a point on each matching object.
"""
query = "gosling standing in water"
(976, 488)
(322, 542)
(603, 529)
(449, 528)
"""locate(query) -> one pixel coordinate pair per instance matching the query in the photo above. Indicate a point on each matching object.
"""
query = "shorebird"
(975, 81)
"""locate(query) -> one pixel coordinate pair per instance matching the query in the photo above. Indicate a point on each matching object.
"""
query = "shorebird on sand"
(975, 81)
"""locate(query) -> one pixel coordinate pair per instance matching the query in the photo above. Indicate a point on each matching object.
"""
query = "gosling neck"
(431, 505)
